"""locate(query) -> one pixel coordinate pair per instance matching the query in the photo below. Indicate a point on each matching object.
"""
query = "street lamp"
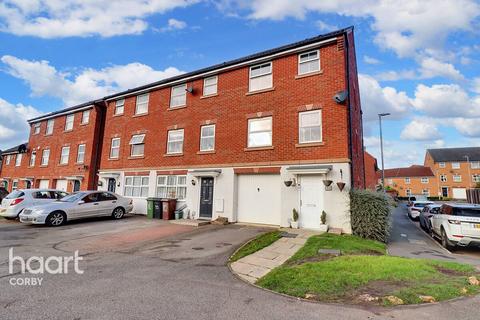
(380, 115)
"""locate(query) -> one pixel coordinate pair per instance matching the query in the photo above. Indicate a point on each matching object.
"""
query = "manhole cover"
(288, 235)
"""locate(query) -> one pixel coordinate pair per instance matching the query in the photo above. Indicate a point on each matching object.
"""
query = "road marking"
(403, 235)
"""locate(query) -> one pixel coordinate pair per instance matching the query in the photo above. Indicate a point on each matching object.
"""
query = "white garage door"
(62, 185)
(43, 184)
(259, 198)
(459, 193)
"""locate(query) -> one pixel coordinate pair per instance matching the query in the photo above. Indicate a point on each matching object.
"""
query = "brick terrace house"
(371, 171)
(413, 180)
(11, 174)
(456, 169)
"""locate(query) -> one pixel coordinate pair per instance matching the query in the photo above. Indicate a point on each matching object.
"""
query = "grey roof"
(51, 114)
(13, 149)
(455, 154)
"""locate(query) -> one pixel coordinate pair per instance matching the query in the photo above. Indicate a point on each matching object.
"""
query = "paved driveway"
(164, 275)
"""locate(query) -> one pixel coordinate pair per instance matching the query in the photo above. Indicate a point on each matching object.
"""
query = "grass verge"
(260, 242)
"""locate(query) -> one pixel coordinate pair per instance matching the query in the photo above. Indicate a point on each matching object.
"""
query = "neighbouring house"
(455, 169)
(11, 175)
(371, 171)
(413, 180)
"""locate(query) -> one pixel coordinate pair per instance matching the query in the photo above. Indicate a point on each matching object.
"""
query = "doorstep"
(190, 222)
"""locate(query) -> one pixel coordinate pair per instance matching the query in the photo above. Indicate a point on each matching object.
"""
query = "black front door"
(206, 198)
(111, 185)
(76, 185)
(445, 192)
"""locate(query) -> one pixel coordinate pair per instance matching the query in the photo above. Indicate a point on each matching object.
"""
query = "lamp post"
(469, 173)
(380, 115)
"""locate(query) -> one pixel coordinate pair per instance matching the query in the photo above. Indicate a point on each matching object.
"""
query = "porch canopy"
(310, 169)
(205, 173)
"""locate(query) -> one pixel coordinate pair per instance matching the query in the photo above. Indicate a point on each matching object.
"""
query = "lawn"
(260, 242)
(364, 268)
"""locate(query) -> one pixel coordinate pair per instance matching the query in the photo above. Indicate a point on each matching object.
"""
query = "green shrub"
(370, 214)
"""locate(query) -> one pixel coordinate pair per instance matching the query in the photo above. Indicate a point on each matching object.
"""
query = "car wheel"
(118, 213)
(56, 219)
(445, 242)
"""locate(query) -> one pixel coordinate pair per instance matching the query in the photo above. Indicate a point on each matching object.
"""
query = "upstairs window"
(136, 186)
(33, 157)
(443, 178)
(407, 180)
(210, 86)
(115, 148)
(476, 178)
(8, 159)
(45, 157)
(69, 122)
(172, 187)
(137, 144)
(424, 180)
(441, 164)
(175, 141)
(261, 77)
(36, 128)
(142, 104)
(50, 124)
(260, 132)
(310, 124)
(15, 185)
(455, 165)
(426, 192)
(309, 62)
(457, 178)
(207, 138)
(81, 153)
(65, 155)
(119, 106)
(178, 96)
(18, 160)
(475, 165)
(85, 116)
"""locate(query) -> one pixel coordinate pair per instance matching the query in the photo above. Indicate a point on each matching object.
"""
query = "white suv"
(457, 224)
(414, 209)
(20, 199)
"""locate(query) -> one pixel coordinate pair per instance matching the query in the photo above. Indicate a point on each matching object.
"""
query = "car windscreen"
(15, 194)
(467, 212)
(72, 197)
(420, 205)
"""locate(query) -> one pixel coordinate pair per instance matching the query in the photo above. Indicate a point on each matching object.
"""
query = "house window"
(476, 178)
(443, 178)
(207, 138)
(50, 124)
(142, 104)
(260, 132)
(310, 124)
(136, 186)
(8, 159)
(178, 96)
(407, 180)
(14, 185)
(33, 157)
(81, 153)
(457, 178)
(18, 160)
(36, 128)
(119, 106)
(309, 62)
(442, 164)
(45, 157)
(475, 165)
(172, 187)
(408, 192)
(210, 86)
(115, 148)
(85, 116)
(426, 192)
(424, 180)
(261, 77)
(65, 155)
(69, 122)
(175, 141)
(455, 165)
(137, 145)
(389, 181)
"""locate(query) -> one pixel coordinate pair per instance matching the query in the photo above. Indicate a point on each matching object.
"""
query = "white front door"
(62, 185)
(311, 202)
(43, 184)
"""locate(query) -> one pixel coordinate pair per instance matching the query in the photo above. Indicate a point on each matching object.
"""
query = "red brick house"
(371, 171)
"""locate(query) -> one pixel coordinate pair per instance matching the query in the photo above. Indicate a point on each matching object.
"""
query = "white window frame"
(81, 154)
(407, 180)
(301, 126)
(86, 116)
(50, 126)
(389, 181)
(455, 165)
(14, 185)
(18, 159)
(424, 180)
(475, 165)
(119, 105)
(69, 120)
(426, 192)
(250, 132)
(36, 128)
(143, 105)
(171, 142)
(33, 158)
(205, 137)
(263, 75)
(45, 157)
(408, 192)
(172, 186)
(117, 148)
(476, 177)
(443, 178)
(211, 85)
(133, 189)
(457, 178)
(136, 141)
(8, 159)
(65, 155)
(183, 89)
(442, 164)
(308, 61)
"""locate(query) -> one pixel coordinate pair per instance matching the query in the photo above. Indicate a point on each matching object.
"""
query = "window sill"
(65, 131)
(118, 115)
(43, 166)
(309, 144)
(85, 124)
(135, 157)
(306, 75)
(258, 148)
(206, 152)
(47, 135)
(140, 115)
(62, 164)
(79, 163)
(173, 154)
(113, 159)
(250, 93)
(209, 96)
(176, 108)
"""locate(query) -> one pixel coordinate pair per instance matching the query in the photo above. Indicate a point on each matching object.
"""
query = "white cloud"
(476, 85)
(370, 60)
(44, 80)
(323, 26)
(67, 18)
(396, 75)
(431, 67)
(467, 127)
(423, 129)
(174, 24)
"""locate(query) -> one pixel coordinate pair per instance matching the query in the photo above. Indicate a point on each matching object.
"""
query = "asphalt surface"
(140, 269)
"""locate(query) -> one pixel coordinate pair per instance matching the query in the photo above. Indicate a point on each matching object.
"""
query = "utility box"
(169, 206)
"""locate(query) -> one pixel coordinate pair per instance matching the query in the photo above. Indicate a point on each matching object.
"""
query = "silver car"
(20, 199)
(78, 205)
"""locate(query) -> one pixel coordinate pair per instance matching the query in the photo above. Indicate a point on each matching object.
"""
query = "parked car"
(457, 225)
(78, 205)
(16, 201)
(415, 209)
(3, 193)
(426, 215)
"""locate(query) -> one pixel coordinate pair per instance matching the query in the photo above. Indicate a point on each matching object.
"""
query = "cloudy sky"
(418, 59)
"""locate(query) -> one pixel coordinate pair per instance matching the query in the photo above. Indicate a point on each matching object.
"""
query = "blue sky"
(419, 60)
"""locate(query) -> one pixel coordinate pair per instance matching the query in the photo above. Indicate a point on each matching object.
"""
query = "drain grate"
(288, 235)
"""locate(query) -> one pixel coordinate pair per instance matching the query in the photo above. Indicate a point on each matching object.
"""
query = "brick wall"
(371, 171)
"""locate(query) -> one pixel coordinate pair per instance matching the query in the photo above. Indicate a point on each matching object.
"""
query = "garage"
(44, 184)
(62, 185)
(459, 193)
(259, 198)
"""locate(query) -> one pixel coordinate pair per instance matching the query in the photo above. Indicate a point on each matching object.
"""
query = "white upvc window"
(178, 96)
(136, 186)
(442, 164)
(36, 128)
(443, 178)
(64, 155)
(207, 138)
(407, 180)
(45, 157)
(50, 124)
(119, 106)
(457, 178)
(389, 181)
(424, 180)
(137, 144)
(33, 158)
(475, 164)
(8, 159)
(261, 77)
(260, 132)
(18, 159)
(115, 148)
(85, 116)
(171, 186)
(476, 178)
(210, 86)
(175, 141)
(309, 62)
(81, 153)
(142, 104)
(426, 192)
(69, 122)
(455, 165)
(310, 126)
(408, 192)
(14, 185)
